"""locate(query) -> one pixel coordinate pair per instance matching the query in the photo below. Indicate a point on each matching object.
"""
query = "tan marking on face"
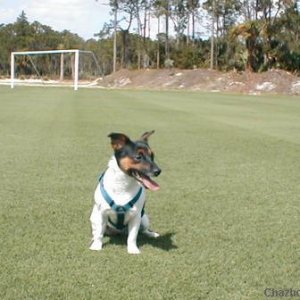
(128, 163)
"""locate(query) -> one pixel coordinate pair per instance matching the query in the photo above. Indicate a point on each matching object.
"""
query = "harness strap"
(119, 209)
(120, 221)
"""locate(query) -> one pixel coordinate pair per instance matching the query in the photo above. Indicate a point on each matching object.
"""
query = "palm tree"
(250, 32)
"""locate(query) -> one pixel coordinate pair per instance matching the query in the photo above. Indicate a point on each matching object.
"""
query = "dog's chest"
(119, 196)
(118, 203)
(119, 213)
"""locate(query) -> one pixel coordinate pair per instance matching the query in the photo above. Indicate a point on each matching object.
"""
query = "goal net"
(75, 68)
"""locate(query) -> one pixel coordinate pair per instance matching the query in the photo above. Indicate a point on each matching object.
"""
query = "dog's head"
(135, 158)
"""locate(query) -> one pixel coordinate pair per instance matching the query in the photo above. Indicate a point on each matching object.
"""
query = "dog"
(120, 195)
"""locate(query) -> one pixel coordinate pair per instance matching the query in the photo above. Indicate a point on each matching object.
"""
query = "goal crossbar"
(76, 62)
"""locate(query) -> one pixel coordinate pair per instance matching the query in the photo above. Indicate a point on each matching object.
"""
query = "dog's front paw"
(133, 250)
(154, 234)
(96, 245)
(151, 234)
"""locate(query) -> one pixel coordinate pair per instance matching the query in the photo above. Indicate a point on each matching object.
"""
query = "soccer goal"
(73, 67)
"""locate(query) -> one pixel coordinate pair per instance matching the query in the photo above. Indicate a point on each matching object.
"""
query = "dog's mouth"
(145, 180)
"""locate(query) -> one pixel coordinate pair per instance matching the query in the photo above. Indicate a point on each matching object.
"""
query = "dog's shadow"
(163, 242)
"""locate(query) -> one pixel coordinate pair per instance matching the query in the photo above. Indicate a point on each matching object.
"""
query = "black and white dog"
(120, 194)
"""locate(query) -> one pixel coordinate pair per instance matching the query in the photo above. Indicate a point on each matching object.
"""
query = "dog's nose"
(157, 172)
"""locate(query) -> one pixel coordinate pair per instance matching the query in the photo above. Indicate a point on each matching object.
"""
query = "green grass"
(228, 209)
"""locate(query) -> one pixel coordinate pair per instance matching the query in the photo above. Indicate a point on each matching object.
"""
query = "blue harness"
(119, 209)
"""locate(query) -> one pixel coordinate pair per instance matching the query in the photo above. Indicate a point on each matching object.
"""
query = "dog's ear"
(146, 135)
(118, 140)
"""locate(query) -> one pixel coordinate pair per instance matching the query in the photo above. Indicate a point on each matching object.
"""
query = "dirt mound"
(273, 81)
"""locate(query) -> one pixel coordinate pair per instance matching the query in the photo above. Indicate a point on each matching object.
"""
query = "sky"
(84, 17)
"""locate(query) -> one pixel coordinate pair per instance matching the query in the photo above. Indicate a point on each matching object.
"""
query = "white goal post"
(75, 52)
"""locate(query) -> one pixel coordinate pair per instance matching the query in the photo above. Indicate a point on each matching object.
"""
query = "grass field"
(228, 208)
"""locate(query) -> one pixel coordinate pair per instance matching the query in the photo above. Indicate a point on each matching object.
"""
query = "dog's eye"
(138, 157)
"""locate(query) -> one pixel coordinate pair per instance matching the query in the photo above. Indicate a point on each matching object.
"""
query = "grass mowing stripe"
(228, 210)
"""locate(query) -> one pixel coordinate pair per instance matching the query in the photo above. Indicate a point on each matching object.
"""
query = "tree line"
(253, 35)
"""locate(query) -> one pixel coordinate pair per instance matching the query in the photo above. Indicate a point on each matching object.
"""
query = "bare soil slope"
(273, 81)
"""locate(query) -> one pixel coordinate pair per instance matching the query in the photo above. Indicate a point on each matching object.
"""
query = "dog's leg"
(133, 229)
(145, 224)
(98, 222)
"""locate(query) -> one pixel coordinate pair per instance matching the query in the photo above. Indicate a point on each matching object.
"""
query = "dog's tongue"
(150, 184)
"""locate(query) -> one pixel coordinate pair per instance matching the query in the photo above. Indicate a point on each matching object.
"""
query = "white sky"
(84, 17)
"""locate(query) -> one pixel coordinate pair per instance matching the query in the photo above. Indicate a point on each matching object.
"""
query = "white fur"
(122, 188)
